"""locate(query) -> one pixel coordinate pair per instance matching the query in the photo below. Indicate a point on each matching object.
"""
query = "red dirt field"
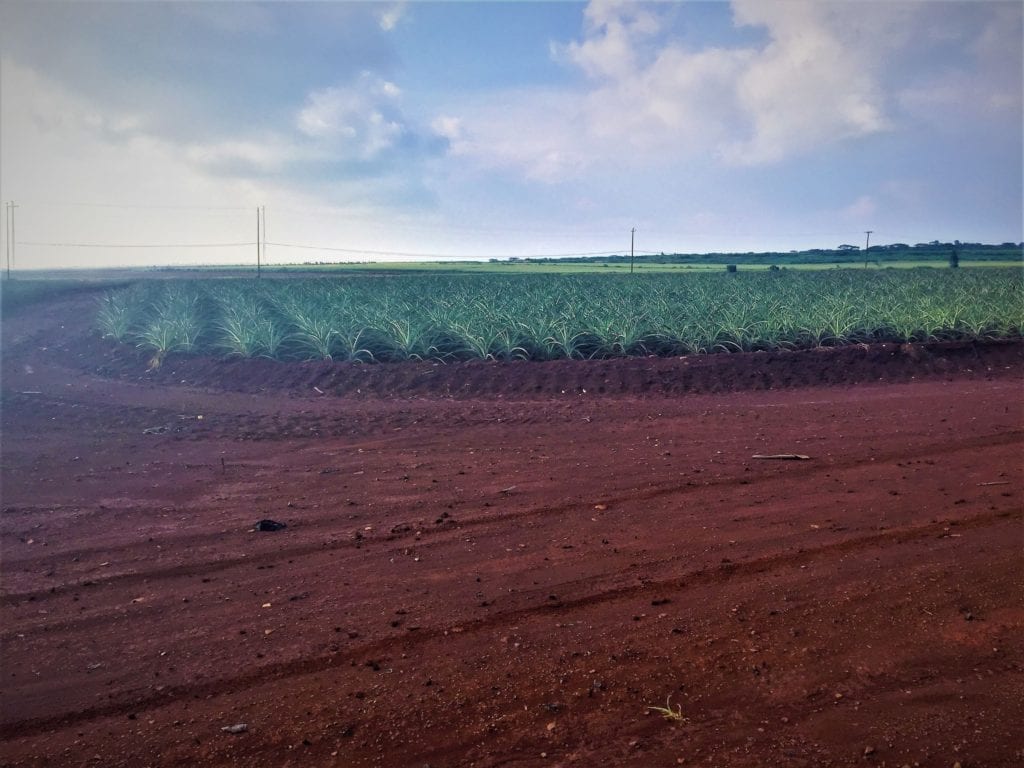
(510, 564)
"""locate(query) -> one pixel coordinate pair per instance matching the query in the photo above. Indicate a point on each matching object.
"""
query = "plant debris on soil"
(510, 564)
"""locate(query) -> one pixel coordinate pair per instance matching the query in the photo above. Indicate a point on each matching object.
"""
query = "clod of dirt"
(269, 525)
(236, 728)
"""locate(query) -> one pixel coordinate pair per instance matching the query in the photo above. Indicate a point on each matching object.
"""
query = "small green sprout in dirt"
(668, 713)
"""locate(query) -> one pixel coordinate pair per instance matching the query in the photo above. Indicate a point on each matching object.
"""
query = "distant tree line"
(933, 251)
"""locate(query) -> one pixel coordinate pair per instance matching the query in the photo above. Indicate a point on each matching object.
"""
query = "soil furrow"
(312, 665)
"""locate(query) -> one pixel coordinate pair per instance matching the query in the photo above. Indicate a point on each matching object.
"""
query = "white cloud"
(818, 80)
(271, 154)
(810, 85)
(58, 151)
(391, 16)
(86, 174)
(529, 132)
(614, 27)
(680, 102)
(447, 127)
(362, 120)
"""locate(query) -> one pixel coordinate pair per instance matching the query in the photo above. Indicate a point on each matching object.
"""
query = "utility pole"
(10, 235)
(263, 239)
(867, 241)
(7, 237)
(258, 217)
(632, 237)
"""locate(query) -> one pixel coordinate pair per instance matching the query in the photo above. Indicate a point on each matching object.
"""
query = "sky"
(150, 132)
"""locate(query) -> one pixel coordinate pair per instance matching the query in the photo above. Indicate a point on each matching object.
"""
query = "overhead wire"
(139, 206)
(421, 255)
(135, 245)
(345, 250)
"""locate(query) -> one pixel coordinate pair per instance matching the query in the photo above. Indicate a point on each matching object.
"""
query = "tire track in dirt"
(316, 664)
(429, 535)
(804, 556)
(268, 418)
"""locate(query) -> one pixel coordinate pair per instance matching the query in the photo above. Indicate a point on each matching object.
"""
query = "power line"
(141, 206)
(333, 215)
(135, 245)
(436, 255)
(263, 243)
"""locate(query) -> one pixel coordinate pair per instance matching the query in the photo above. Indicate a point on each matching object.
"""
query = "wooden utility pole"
(10, 236)
(258, 229)
(7, 237)
(632, 237)
(867, 241)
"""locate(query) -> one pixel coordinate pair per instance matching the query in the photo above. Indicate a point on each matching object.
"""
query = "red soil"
(508, 565)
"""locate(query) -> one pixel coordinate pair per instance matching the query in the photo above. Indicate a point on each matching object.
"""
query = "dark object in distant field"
(269, 525)
(730, 267)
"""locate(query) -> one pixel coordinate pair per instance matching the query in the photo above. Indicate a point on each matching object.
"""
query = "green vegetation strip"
(546, 317)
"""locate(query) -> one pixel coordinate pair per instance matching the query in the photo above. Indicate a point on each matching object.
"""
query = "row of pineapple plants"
(545, 317)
